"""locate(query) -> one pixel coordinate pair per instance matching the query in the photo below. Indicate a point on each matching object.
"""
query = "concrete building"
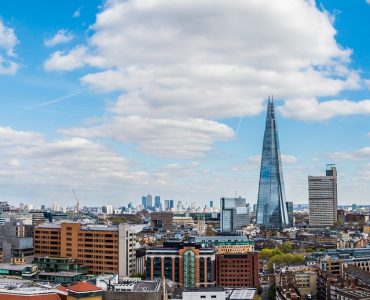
(102, 248)
(237, 270)
(107, 209)
(16, 241)
(188, 264)
(323, 202)
(234, 214)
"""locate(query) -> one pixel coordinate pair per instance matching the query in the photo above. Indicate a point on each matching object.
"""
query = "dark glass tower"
(271, 206)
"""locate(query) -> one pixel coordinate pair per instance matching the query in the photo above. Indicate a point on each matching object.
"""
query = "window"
(203, 297)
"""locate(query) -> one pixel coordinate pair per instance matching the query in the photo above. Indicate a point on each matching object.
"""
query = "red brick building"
(237, 270)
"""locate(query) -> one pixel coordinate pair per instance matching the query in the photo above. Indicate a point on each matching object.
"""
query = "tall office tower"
(149, 201)
(144, 202)
(234, 214)
(179, 206)
(166, 204)
(322, 195)
(271, 207)
(172, 205)
(157, 201)
(211, 204)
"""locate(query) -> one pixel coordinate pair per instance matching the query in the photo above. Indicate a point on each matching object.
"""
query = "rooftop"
(84, 286)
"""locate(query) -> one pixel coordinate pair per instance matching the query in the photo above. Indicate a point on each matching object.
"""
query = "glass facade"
(271, 204)
(189, 269)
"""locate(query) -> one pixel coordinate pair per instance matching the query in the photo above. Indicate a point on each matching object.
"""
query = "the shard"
(271, 203)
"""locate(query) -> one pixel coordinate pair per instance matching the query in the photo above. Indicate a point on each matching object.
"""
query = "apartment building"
(102, 248)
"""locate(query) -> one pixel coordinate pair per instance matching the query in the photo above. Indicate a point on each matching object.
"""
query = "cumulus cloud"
(8, 41)
(311, 109)
(29, 158)
(208, 60)
(61, 37)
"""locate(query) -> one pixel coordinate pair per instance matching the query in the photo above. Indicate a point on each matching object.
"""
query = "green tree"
(272, 292)
(286, 247)
(266, 253)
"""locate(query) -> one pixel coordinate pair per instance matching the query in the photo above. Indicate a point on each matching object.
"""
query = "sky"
(118, 99)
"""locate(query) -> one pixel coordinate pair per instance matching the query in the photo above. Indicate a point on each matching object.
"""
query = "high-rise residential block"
(234, 214)
(102, 248)
(322, 194)
(271, 208)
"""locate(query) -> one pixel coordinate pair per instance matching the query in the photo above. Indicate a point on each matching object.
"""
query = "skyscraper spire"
(271, 204)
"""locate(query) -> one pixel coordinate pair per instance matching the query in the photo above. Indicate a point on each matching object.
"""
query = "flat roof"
(14, 267)
(242, 294)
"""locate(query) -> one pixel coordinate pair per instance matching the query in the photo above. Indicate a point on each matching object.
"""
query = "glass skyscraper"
(271, 204)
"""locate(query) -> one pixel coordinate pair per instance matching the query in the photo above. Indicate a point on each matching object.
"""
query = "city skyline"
(116, 99)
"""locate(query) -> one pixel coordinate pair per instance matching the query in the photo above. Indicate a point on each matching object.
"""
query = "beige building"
(323, 202)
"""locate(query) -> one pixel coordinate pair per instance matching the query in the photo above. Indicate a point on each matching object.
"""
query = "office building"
(149, 201)
(166, 204)
(234, 214)
(211, 204)
(226, 244)
(172, 204)
(107, 209)
(237, 270)
(271, 207)
(102, 248)
(188, 264)
(16, 241)
(157, 202)
(322, 194)
(144, 202)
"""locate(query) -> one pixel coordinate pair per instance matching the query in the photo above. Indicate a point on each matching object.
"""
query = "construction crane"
(77, 207)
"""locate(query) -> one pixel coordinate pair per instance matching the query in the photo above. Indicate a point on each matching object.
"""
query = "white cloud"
(208, 60)
(316, 111)
(183, 138)
(8, 41)
(61, 37)
(61, 61)
(358, 154)
(28, 158)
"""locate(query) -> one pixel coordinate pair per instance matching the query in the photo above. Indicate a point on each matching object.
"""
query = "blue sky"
(122, 98)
